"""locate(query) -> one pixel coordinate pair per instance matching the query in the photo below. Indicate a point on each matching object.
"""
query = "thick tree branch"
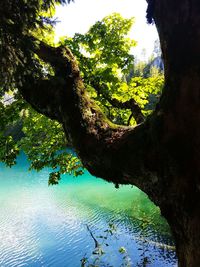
(115, 153)
(42, 96)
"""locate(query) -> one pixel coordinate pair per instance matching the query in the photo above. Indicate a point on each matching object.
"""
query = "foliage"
(9, 114)
(19, 19)
(105, 46)
(8, 150)
(146, 91)
(105, 61)
(42, 140)
(48, 147)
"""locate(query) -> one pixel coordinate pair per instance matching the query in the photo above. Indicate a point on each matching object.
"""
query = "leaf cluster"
(48, 147)
(106, 62)
(19, 19)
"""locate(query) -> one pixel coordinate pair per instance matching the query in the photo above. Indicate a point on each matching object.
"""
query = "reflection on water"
(43, 226)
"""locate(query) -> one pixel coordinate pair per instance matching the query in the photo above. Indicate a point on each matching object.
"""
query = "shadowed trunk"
(178, 24)
(160, 156)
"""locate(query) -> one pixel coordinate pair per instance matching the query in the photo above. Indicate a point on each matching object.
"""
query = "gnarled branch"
(119, 154)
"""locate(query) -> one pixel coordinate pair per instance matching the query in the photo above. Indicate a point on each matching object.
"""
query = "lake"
(57, 226)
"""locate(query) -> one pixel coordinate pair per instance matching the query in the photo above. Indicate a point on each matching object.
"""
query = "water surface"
(43, 226)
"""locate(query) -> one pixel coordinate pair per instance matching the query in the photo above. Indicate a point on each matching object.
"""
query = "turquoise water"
(52, 226)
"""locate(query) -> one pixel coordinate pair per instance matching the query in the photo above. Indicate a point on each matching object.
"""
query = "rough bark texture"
(178, 25)
(162, 155)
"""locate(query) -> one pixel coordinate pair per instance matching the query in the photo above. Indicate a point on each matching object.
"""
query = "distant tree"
(153, 66)
(161, 155)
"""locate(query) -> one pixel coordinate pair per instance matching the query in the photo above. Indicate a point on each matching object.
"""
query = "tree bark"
(160, 156)
(178, 25)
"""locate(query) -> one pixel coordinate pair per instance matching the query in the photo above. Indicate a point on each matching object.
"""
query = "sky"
(80, 15)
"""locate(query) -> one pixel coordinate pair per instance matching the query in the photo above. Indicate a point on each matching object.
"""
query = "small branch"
(95, 240)
(129, 119)
(129, 104)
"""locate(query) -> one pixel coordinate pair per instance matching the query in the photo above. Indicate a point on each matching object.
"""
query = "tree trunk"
(160, 156)
(178, 24)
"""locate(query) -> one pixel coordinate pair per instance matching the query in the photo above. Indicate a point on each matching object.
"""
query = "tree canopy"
(105, 59)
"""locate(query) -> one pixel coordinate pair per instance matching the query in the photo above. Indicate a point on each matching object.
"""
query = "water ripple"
(43, 226)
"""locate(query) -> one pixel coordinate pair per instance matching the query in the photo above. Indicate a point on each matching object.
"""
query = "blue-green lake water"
(43, 226)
